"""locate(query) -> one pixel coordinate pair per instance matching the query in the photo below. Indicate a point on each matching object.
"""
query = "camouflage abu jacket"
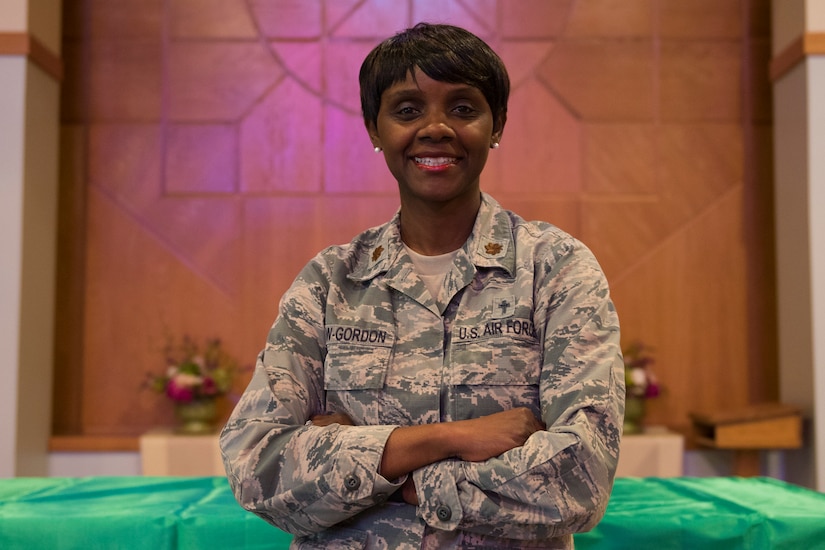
(529, 322)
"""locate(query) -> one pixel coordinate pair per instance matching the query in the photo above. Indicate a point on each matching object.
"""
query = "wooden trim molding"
(21, 43)
(811, 43)
(92, 443)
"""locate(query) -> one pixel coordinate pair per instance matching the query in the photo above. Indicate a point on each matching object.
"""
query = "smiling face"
(435, 136)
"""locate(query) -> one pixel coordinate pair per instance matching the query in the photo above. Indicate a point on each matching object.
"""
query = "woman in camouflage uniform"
(451, 379)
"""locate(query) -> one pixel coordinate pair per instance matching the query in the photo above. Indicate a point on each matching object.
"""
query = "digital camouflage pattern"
(527, 321)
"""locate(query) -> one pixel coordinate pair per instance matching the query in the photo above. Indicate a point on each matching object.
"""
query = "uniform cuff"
(436, 486)
(355, 468)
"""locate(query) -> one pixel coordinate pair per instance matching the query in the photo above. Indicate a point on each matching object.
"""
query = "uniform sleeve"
(300, 478)
(560, 480)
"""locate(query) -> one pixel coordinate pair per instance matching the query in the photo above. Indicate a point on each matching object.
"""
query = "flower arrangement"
(194, 372)
(639, 378)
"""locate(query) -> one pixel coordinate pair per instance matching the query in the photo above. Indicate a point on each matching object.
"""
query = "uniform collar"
(490, 244)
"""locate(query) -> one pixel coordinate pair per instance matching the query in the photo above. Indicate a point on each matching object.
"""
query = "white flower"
(184, 380)
(638, 377)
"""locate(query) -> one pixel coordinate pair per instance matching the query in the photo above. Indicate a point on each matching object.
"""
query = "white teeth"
(434, 161)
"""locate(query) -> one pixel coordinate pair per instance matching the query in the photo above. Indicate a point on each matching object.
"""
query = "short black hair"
(442, 52)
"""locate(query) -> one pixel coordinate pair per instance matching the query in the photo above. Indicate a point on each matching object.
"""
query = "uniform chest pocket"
(354, 367)
(357, 358)
(493, 374)
(500, 358)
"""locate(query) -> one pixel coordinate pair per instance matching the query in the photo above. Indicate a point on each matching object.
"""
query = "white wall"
(814, 15)
(696, 464)
(94, 464)
(13, 15)
(12, 101)
(29, 122)
(38, 268)
(816, 131)
(799, 143)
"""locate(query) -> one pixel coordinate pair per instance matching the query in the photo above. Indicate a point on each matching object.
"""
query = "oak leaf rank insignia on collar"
(377, 252)
(493, 249)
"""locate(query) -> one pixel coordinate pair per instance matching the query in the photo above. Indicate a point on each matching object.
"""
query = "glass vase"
(196, 417)
(634, 415)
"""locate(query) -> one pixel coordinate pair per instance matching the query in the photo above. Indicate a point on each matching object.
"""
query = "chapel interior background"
(211, 147)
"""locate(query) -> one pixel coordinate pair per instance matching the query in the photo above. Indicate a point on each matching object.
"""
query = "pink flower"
(209, 387)
(194, 371)
(652, 390)
(179, 393)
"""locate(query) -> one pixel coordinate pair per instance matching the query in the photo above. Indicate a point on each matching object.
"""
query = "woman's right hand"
(485, 437)
(331, 418)
(474, 440)
(411, 447)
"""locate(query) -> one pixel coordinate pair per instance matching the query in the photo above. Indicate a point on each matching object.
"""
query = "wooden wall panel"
(137, 293)
(212, 147)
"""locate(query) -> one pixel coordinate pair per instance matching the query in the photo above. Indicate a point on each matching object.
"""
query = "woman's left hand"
(408, 491)
(333, 418)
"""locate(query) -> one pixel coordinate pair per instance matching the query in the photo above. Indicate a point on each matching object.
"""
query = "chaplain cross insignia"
(503, 307)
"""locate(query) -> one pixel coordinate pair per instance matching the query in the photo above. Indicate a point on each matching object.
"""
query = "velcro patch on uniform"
(494, 248)
(519, 329)
(359, 335)
(503, 307)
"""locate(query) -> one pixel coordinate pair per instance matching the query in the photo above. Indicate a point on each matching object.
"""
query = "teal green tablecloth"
(200, 513)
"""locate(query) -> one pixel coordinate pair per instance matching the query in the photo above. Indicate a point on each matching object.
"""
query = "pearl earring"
(494, 145)
(377, 149)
